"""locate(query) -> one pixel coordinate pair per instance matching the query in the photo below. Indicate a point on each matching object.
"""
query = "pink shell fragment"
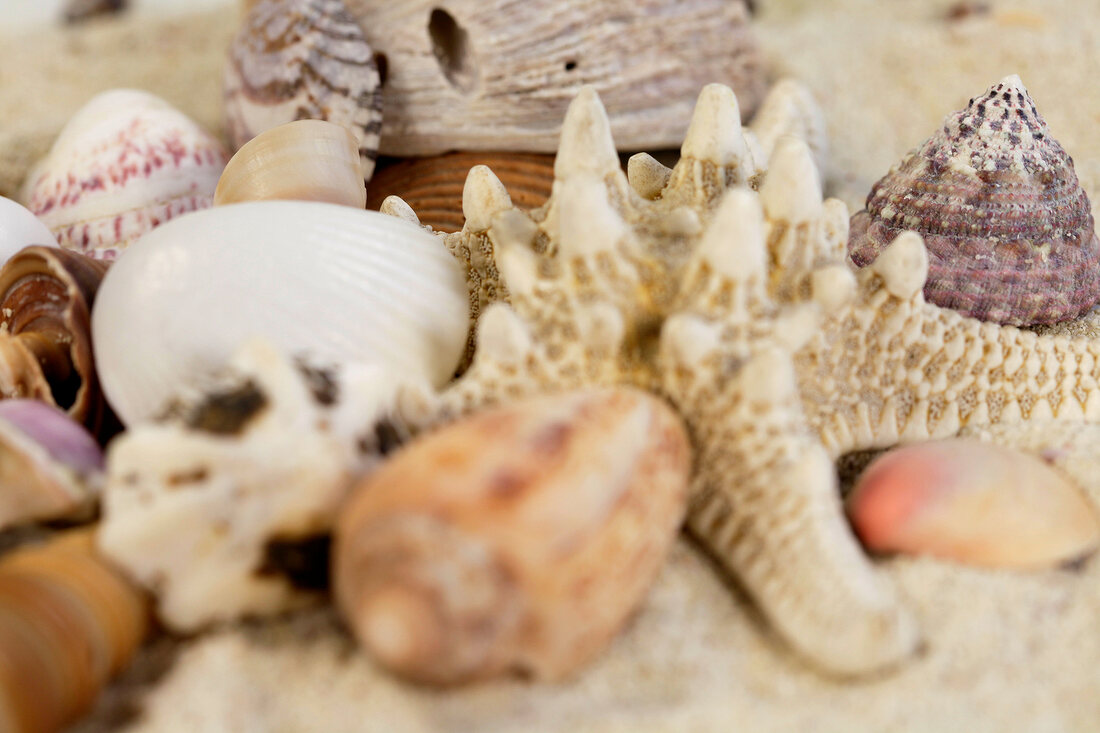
(973, 503)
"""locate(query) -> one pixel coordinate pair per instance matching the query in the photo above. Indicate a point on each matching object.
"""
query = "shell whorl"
(1008, 228)
(303, 59)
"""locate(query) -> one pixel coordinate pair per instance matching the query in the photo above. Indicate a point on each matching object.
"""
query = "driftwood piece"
(476, 75)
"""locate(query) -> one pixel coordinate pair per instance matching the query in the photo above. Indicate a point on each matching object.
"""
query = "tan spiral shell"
(303, 59)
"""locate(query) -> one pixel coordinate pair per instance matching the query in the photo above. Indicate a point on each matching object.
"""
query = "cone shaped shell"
(433, 186)
(332, 282)
(1008, 228)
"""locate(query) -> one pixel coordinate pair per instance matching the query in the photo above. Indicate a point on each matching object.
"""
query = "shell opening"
(451, 46)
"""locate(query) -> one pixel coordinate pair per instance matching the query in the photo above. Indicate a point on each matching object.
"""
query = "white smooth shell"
(340, 284)
(20, 228)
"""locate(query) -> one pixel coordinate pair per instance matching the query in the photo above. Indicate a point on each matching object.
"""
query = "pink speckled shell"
(1009, 232)
(125, 163)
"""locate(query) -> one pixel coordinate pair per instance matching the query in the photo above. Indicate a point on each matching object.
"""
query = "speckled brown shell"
(520, 538)
(46, 297)
(433, 186)
(1009, 232)
(303, 59)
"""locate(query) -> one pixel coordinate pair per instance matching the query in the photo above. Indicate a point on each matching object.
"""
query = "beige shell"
(974, 503)
(306, 160)
(518, 539)
(303, 59)
(446, 86)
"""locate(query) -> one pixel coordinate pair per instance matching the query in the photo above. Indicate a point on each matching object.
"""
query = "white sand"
(1004, 651)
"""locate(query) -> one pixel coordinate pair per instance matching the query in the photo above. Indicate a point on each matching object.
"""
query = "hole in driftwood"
(383, 65)
(451, 46)
(570, 65)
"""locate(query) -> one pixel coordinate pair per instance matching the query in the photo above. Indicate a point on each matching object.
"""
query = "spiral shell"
(46, 297)
(1009, 231)
(68, 623)
(333, 282)
(433, 186)
(303, 59)
(519, 538)
(125, 163)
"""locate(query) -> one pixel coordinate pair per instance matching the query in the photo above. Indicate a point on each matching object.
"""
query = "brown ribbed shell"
(433, 186)
(1009, 232)
(46, 298)
(68, 623)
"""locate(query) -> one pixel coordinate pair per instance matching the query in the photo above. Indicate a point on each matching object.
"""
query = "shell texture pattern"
(1009, 230)
(126, 162)
(298, 60)
(741, 309)
(445, 89)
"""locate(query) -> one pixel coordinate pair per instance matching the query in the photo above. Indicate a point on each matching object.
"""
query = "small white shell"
(126, 162)
(20, 228)
(336, 283)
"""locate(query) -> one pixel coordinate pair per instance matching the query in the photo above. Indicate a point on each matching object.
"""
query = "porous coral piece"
(224, 509)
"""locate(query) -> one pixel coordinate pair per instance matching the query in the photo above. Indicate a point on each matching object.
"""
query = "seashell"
(46, 297)
(973, 503)
(303, 59)
(50, 466)
(335, 282)
(307, 160)
(70, 623)
(1009, 231)
(125, 163)
(520, 538)
(224, 508)
(433, 186)
(20, 228)
(444, 89)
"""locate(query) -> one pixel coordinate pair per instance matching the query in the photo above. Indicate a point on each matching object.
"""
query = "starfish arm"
(766, 505)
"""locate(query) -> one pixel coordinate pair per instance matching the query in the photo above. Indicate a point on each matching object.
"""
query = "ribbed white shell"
(337, 283)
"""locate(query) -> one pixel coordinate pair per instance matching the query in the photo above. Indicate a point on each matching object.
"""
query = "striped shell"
(303, 59)
(334, 283)
(70, 622)
(125, 163)
(433, 186)
(1009, 231)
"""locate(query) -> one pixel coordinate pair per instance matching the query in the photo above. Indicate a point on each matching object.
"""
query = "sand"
(1003, 651)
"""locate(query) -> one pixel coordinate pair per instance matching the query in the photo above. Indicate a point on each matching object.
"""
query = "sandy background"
(1004, 651)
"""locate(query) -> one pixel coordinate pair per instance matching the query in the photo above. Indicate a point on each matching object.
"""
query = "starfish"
(723, 285)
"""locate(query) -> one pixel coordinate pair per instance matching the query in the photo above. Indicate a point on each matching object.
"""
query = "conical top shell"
(1008, 228)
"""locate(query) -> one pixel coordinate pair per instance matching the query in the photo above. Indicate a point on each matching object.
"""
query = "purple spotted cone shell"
(1008, 228)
